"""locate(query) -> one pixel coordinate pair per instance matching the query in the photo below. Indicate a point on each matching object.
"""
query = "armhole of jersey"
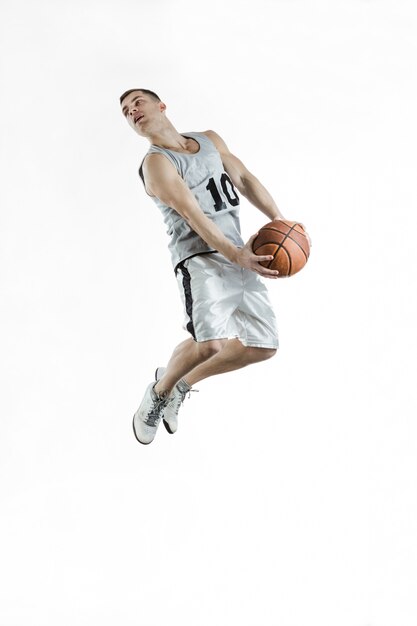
(143, 177)
(167, 156)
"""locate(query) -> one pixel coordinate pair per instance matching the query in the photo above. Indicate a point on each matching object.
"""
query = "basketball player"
(192, 178)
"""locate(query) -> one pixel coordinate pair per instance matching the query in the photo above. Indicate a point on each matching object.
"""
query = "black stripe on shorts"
(186, 283)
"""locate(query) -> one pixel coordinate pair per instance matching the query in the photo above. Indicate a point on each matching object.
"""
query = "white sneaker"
(170, 412)
(147, 417)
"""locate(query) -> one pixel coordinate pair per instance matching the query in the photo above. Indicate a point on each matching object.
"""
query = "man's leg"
(158, 402)
(186, 356)
(234, 355)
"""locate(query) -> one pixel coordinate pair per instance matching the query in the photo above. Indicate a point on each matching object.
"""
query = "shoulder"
(158, 172)
(233, 166)
(217, 140)
(157, 162)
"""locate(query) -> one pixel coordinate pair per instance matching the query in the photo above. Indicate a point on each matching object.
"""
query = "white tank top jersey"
(204, 174)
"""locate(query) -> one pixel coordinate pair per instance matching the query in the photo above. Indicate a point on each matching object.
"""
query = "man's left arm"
(244, 181)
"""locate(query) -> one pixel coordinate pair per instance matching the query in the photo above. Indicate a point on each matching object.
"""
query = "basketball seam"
(289, 259)
(280, 245)
(301, 248)
(277, 230)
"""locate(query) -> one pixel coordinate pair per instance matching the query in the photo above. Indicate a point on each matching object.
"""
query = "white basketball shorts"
(222, 301)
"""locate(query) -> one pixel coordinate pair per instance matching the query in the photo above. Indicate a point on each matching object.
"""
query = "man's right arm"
(164, 182)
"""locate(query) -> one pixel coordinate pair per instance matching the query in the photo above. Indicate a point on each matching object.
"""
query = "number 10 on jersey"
(228, 189)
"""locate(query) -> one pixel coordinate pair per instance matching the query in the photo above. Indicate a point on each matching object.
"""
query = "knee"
(210, 348)
(269, 353)
(262, 354)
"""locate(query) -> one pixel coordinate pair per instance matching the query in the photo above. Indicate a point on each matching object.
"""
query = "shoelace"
(155, 411)
(181, 397)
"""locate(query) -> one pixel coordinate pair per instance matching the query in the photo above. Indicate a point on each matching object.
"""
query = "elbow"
(187, 217)
(187, 213)
(180, 209)
(243, 184)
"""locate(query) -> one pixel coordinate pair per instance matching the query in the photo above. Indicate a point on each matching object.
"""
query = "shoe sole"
(171, 432)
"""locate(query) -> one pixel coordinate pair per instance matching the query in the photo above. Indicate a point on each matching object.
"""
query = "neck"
(168, 137)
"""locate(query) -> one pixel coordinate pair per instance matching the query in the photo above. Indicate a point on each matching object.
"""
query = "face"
(142, 112)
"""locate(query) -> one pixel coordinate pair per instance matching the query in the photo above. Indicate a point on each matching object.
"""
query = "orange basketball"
(287, 242)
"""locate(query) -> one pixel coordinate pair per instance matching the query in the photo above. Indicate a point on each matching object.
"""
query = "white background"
(288, 497)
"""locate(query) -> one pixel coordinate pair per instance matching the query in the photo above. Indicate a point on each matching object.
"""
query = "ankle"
(183, 385)
(161, 390)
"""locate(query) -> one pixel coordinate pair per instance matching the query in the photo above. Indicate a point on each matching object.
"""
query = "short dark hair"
(150, 93)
